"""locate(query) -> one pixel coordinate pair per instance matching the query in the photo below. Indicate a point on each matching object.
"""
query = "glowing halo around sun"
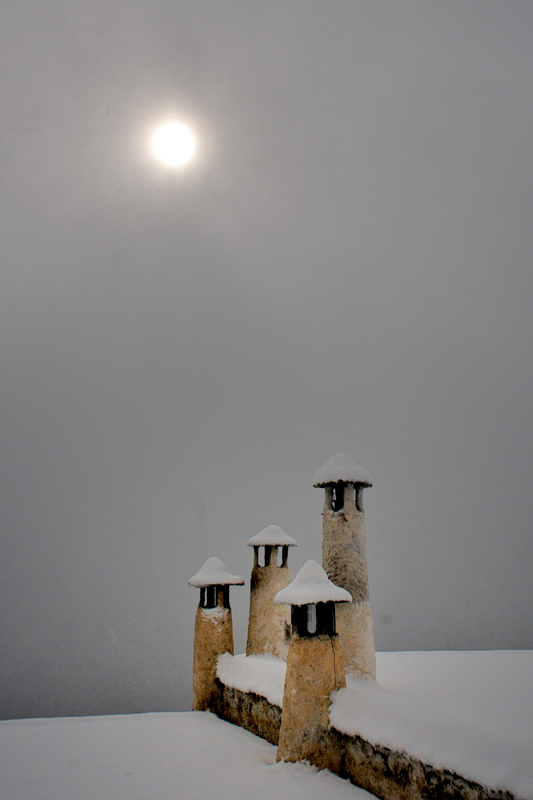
(173, 144)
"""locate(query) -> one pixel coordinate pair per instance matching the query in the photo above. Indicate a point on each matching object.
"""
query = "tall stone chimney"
(213, 630)
(344, 557)
(315, 667)
(268, 624)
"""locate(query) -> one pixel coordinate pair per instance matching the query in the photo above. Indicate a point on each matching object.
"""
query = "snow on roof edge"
(342, 468)
(214, 573)
(271, 535)
(311, 585)
(261, 674)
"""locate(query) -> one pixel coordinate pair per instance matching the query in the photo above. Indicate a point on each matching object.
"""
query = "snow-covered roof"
(214, 573)
(464, 712)
(311, 585)
(342, 468)
(271, 535)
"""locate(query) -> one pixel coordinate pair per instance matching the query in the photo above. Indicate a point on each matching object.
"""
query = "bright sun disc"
(173, 144)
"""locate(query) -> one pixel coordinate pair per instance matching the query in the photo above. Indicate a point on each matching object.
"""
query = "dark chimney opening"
(337, 497)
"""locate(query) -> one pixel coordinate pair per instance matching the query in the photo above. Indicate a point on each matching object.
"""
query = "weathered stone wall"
(398, 776)
(344, 560)
(386, 773)
(247, 710)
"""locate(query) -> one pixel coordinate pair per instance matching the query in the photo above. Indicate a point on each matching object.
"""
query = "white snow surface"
(180, 756)
(311, 585)
(214, 573)
(342, 468)
(218, 612)
(262, 675)
(271, 535)
(468, 712)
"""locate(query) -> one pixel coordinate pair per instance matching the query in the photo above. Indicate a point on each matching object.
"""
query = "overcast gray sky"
(346, 266)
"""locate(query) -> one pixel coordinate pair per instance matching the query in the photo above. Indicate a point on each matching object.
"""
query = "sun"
(173, 144)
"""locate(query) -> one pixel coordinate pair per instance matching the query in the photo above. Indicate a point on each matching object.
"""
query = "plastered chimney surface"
(268, 624)
(315, 669)
(213, 635)
(344, 559)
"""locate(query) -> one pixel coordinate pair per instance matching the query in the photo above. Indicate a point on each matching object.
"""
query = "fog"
(345, 266)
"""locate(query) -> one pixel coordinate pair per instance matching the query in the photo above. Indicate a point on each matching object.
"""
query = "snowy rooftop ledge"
(262, 675)
(468, 712)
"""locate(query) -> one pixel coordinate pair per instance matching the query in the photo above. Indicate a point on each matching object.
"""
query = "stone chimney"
(344, 557)
(268, 624)
(213, 630)
(315, 667)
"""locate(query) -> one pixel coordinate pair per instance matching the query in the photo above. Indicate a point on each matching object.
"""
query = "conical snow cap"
(312, 585)
(271, 535)
(341, 468)
(214, 573)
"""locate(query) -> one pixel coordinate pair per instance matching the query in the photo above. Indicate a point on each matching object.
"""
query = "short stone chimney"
(268, 624)
(315, 666)
(213, 630)
(344, 557)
